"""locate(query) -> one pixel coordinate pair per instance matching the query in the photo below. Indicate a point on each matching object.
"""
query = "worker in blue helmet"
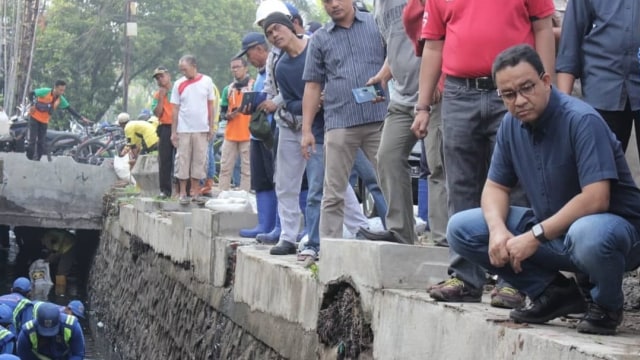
(51, 335)
(21, 289)
(74, 307)
(7, 338)
(8, 357)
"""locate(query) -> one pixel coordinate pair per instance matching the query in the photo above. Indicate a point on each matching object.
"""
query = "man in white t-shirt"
(193, 125)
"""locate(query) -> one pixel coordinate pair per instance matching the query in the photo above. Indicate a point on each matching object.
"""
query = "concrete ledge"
(383, 265)
(408, 325)
(58, 194)
(277, 285)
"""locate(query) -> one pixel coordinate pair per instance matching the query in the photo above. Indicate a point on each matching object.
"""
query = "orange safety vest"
(237, 128)
(44, 106)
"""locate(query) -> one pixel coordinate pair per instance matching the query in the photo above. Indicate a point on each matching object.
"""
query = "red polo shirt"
(475, 31)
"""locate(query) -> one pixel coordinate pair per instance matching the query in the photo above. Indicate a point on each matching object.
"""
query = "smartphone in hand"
(368, 93)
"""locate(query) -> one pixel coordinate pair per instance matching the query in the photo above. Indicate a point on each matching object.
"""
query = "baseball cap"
(159, 70)
(77, 308)
(48, 320)
(123, 118)
(23, 284)
(250, 40)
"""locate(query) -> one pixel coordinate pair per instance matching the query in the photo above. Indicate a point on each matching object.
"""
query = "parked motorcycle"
(14, 140)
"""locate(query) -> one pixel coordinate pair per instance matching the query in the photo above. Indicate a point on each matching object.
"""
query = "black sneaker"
(384, 235)
(599, 321)
(283, 248)
(560, 298)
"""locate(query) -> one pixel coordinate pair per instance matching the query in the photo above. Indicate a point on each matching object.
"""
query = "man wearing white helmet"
(274, 99)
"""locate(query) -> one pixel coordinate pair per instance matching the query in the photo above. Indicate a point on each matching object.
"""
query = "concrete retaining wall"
(180, 285)
(57, 194)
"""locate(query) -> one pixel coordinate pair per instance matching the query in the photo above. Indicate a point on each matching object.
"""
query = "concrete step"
(383, 265)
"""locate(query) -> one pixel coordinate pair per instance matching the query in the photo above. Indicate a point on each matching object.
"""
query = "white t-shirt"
(193, 96)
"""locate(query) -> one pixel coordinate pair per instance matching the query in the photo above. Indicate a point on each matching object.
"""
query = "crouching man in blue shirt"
(585, 206)
(51, 335)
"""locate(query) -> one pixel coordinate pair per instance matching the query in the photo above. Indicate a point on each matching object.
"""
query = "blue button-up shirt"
(343, 59)
(599, 44)
(569, 147)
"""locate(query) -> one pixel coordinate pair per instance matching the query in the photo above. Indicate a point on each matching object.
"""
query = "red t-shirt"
(478, 30)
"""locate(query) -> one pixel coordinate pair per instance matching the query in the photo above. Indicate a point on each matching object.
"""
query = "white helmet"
(123, 118)
(267, 7)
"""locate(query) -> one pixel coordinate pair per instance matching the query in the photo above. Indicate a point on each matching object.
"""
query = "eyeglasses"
(525, 90)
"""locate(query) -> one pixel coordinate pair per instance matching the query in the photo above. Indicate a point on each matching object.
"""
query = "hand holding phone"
(372, 93)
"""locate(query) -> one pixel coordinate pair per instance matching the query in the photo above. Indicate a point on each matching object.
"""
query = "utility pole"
(130, 30)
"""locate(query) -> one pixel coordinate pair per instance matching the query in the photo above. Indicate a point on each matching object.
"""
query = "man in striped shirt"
(343, 56)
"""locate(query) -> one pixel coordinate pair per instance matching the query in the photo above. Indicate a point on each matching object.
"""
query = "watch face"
(537, 230)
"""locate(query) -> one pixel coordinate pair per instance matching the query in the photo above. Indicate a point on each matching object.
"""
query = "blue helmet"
(47, 320)
(77, 308)
(22, 284)
(6, 314)
(8, 357)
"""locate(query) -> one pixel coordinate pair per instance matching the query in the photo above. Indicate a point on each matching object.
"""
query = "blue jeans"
(211, 160)
(315, 179)
(601, 246)
(363, 169)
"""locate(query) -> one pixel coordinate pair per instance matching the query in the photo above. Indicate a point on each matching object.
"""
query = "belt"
(481, 83)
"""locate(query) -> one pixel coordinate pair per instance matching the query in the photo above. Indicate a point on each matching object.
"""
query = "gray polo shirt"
(344, 59)
(405, 66)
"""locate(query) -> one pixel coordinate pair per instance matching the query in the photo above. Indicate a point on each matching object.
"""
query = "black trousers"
(621, 122)
(37, 145)
(166, 156)
(262, 168)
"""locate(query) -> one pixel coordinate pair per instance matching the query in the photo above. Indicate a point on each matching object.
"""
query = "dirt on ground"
(342, 324)
(631, 289)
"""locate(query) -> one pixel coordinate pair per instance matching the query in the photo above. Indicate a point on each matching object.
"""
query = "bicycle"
(93, 151)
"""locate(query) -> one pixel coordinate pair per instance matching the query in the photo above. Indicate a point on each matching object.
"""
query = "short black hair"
(241, 59)
(299, 18)
(59, 83)
(514, 56)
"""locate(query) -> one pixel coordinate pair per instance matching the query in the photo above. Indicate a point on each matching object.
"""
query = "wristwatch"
(417, 108)
(538, 233)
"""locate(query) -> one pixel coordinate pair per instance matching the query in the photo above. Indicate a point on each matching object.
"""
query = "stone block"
(229, 223)
(408, 325)
(169, 238)
(382, 265)
(278, 286)
(128, 217)
(145, 172)
(59, 194)
(219, 260)
(203, 220)
(201, 252)
(147, 204)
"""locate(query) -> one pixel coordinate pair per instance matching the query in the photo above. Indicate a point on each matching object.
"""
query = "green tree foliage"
(82, 41)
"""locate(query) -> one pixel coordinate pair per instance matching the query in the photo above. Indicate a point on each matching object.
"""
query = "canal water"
(76, 289)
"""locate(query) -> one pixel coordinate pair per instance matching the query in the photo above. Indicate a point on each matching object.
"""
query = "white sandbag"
(121, 166)
(240, 194)
(5, 125)
(421, 226)
(229, 205)
(39, 272)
